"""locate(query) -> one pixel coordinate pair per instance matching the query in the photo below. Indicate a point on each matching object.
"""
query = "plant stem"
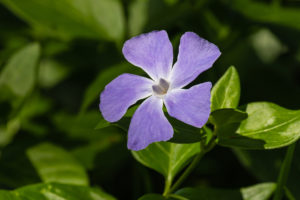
(167, 186)
(191, 167)
(284, 172)
(187, 172)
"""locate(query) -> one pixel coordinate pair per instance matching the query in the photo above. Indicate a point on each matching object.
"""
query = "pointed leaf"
(226, 92)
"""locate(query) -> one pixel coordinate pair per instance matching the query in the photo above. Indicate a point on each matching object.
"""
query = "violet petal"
(153, 52)
(121, 93)
(195, 56)
(192, 106)
(148, 125)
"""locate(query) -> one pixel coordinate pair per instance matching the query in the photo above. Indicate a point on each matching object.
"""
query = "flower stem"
(284, 172)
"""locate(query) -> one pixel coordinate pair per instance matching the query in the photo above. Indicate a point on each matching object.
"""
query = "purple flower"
(153, 52)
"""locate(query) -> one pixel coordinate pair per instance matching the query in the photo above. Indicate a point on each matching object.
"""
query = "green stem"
(192, 166)
(187, 172)
(168, 184)
(284, 172)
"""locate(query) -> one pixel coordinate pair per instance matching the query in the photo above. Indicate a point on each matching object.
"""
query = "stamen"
(161, 88)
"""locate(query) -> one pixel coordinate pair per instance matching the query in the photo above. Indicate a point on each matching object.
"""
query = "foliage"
(57, 56)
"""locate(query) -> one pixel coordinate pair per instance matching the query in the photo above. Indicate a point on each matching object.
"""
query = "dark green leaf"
(19, 74)
(268, 126)
(167, 158)
(54, 164)
(261, 191)
(226, 92)
(82, 18)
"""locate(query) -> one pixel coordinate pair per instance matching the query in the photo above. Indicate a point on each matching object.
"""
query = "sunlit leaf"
(268, 126)
(226, 92)
(167, 158)
(54, 164)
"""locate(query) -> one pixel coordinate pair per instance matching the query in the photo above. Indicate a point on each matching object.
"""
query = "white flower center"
(161, 88)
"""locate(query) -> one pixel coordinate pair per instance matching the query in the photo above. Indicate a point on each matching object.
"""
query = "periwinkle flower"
(153, 52)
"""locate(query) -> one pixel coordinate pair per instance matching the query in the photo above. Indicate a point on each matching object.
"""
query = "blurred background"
(56, 56)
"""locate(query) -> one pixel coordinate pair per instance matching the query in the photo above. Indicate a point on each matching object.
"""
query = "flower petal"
(122, 92)
(153, 52)
(148, 125)
(195, 56)
(192, 106)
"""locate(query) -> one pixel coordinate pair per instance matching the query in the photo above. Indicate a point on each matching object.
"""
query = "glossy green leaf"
(19, 74)
(55, 191)
(261, 191)
(226, 92)
(268, 126)
(268, 14)
(54, 164)
(72, 18)
(167, 158)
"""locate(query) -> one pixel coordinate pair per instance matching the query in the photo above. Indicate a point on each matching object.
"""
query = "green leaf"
(167, 158)
(226, 92)
(268, 126)
(54, 164)
(82, 18)
(55, 191)
(19, 74)
(275, 15)
(261, 191)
